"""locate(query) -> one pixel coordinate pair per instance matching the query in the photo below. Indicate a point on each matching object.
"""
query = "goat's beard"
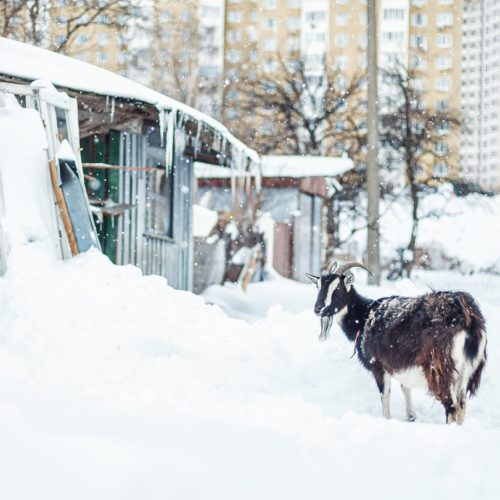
(326, 324)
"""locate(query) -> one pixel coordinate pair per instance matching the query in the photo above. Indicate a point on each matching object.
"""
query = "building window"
(443, 62)
(270, 66)
(341, 19)
(443, 83)
(186, 15)
(440, 169)
(444, 40)
(102, 57)
(442, 149)
(443, 127)
(341, 40)
(316, 16)
(294, 4)
(419, 19)
(234, 16)
(270, 23)
(102, 39)
(341, 63)
(418, 84)
(394, 14)
(233, 36)
(270, 44)
(418, 62)
(61, 21)
(80, 39)
(294, 44)
(444, 19)
(233, 55)
(271, 4)
(419, 42)
(393, 36)
(293, 23)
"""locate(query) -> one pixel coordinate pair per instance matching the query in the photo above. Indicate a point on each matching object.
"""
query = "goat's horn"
(348, 265)
(312, 278)
(332, 267)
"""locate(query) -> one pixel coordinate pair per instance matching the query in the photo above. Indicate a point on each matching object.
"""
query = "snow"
(304, 166)
(28, 208)
(33, 63)
(114, 385)
(204, 220)
(466, 229)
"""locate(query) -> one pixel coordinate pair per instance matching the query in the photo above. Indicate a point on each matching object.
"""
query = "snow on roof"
(33, 63)
(304, 166)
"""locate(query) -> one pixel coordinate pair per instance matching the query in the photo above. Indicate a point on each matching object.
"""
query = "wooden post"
(63, 208)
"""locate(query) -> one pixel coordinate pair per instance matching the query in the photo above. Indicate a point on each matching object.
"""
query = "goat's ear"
(348, 280)
(312, 278)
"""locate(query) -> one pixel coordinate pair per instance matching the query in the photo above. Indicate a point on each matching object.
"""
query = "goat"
(436, 341)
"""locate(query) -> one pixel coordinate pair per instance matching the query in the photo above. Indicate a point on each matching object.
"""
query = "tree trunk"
(409, 258)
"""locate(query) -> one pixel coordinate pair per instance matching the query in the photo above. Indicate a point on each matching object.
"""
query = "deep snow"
(115, 386)
(465, 229)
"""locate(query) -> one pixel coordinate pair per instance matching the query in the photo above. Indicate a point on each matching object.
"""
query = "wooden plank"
(63, 208)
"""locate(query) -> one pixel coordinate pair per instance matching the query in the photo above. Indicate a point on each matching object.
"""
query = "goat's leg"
(410, 413)
(460, 406)
(449, 403)
(383, 380)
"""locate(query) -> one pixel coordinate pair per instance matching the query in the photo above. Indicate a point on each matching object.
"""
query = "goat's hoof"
(411, 418)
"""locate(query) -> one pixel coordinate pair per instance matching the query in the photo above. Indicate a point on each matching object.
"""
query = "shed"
(294, 190)
(138, 152)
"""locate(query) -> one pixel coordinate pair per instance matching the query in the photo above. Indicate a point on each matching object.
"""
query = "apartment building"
(421, 35)
(199, 50)
(480, 154)
(104, 42)
(186, 53)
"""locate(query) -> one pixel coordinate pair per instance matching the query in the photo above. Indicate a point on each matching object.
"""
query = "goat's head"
(334, 289)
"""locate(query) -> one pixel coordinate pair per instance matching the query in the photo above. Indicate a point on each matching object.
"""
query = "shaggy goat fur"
(440, 335)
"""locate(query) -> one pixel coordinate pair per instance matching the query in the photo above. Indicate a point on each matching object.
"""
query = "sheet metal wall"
(153, 253)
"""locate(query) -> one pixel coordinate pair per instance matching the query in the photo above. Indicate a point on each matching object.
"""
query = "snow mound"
(114, 385)
(464, 229)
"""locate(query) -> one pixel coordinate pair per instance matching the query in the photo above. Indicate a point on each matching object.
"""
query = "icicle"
(162, 119)
(113, 108)
(170, 140)
(197, 139)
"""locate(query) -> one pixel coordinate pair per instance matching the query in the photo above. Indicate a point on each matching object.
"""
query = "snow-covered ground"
(115, 386)
(451, 226)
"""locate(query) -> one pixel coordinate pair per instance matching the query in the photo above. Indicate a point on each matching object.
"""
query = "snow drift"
(114, 385)
(464, 230)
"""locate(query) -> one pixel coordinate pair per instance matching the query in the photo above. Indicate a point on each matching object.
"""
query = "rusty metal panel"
(282, 251)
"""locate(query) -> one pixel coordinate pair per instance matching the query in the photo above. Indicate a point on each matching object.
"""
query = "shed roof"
(33, 63)
(297, 167)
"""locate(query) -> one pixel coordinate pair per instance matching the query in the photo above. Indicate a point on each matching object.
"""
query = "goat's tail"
(475, 340)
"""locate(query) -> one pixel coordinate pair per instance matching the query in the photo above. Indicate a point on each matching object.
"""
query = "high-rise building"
(480, 152)
(423, 36)
(198, 50)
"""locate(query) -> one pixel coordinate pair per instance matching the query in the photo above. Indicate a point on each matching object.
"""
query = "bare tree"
(55, 25)
(418, 137)
(291, 111)
(177, 55)
(299, 113)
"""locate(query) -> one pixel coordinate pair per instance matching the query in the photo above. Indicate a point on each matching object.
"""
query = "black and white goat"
(436, 341)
